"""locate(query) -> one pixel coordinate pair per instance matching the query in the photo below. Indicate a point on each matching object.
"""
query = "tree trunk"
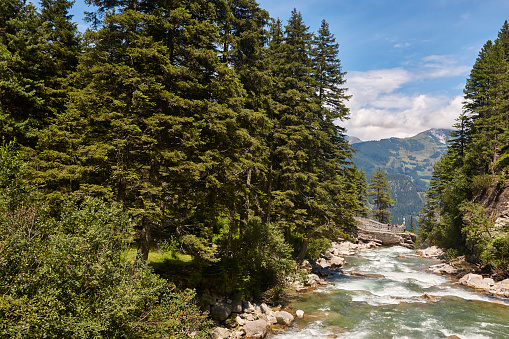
(303, 249)
(144, 239)
(269, 195)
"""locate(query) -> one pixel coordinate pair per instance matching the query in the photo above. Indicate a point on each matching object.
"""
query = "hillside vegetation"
(466, 204)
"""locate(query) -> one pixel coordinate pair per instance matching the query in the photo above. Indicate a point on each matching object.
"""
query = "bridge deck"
(373, 225)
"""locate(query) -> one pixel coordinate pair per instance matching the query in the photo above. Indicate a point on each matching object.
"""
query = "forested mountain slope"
(408, 163)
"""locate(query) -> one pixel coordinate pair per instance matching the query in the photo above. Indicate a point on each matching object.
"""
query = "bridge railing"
(372, 225)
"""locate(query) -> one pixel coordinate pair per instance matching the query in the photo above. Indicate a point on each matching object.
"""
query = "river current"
(407, 302)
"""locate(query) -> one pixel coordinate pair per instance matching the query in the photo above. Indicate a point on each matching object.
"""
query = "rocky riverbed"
(243, 319)
(466, 274)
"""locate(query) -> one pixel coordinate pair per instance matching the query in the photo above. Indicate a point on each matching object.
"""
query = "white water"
(407, 303)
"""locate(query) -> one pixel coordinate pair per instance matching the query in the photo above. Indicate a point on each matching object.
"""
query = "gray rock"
(300, 313)
(265, 308)
(337, 261)
(240, 321)
(501, 288)
(312, 278)
(249, 317)
(271, 319)
(247, 307)
(284, 318)
(323, 262)
(219, 333)
(443, 268)
(476, 281)
(256, 329)
(236, 306)
(220, 311)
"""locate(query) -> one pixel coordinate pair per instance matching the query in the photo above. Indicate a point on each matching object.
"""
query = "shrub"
(67, 277)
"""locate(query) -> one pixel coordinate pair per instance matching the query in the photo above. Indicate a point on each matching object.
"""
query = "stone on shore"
(430, 252)
(284, 318)
(219, 333)
(501, 289)
(299, 313)
(256, 328)
(220, 311)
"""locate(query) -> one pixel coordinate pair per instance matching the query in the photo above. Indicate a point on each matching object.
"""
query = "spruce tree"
(379, 188)
(154, 126)
(21, 101)
(308, 177)
(61, 50)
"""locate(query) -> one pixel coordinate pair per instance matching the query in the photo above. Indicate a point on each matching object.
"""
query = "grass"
(158, 257)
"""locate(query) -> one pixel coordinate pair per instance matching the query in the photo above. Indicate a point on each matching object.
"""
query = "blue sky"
(406, 60)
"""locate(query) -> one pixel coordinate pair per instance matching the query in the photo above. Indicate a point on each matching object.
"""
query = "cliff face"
(495, 198)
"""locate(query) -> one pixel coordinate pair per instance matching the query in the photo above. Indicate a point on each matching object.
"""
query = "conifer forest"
(182, 147)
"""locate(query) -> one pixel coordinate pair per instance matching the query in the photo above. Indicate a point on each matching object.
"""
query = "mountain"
(354, 140)
(408, 163)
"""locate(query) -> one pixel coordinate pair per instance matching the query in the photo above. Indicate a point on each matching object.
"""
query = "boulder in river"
(477, 281)
(431, 252)
(501, 289)
(443, 268)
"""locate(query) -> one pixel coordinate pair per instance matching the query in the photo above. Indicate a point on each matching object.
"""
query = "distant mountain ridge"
(408, 163)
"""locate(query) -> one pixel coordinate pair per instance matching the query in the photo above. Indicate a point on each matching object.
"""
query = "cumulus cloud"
(380, 107)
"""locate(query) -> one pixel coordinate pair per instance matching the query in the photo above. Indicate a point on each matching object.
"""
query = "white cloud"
(441, 66)
(381, 109)
(402, 45)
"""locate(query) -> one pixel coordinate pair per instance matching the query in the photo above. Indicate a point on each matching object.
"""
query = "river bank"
(466, 274)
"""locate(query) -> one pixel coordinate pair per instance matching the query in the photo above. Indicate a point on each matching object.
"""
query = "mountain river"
(407, 303)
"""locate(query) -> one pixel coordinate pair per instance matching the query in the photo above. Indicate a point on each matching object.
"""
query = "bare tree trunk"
(303, 249)
(144, 239)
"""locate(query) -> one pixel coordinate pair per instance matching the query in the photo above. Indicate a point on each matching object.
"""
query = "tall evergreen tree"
(379, 188)
(21, 116)
(154, 126)
(60, 53)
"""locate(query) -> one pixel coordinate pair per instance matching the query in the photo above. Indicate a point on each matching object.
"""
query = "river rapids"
(407, 302)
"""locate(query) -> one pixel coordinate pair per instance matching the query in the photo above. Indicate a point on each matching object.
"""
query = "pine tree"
(411, 229)
(154, 126)
(362, 194)
(21, 116)
(310, 193)
(379, 188)
(60, 53)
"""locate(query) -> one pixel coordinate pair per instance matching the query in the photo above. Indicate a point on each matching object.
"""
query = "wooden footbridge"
(384, 234)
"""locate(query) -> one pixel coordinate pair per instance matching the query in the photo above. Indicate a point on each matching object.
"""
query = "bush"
(67, 277)
(261, 262)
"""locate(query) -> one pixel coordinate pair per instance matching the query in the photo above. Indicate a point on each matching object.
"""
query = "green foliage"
(468, 178)
(261, 262)
(490, 245)
(379, 189)
(200, 124)
(14, 188)
(317, 247)
(451, 254)
(65, 278)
